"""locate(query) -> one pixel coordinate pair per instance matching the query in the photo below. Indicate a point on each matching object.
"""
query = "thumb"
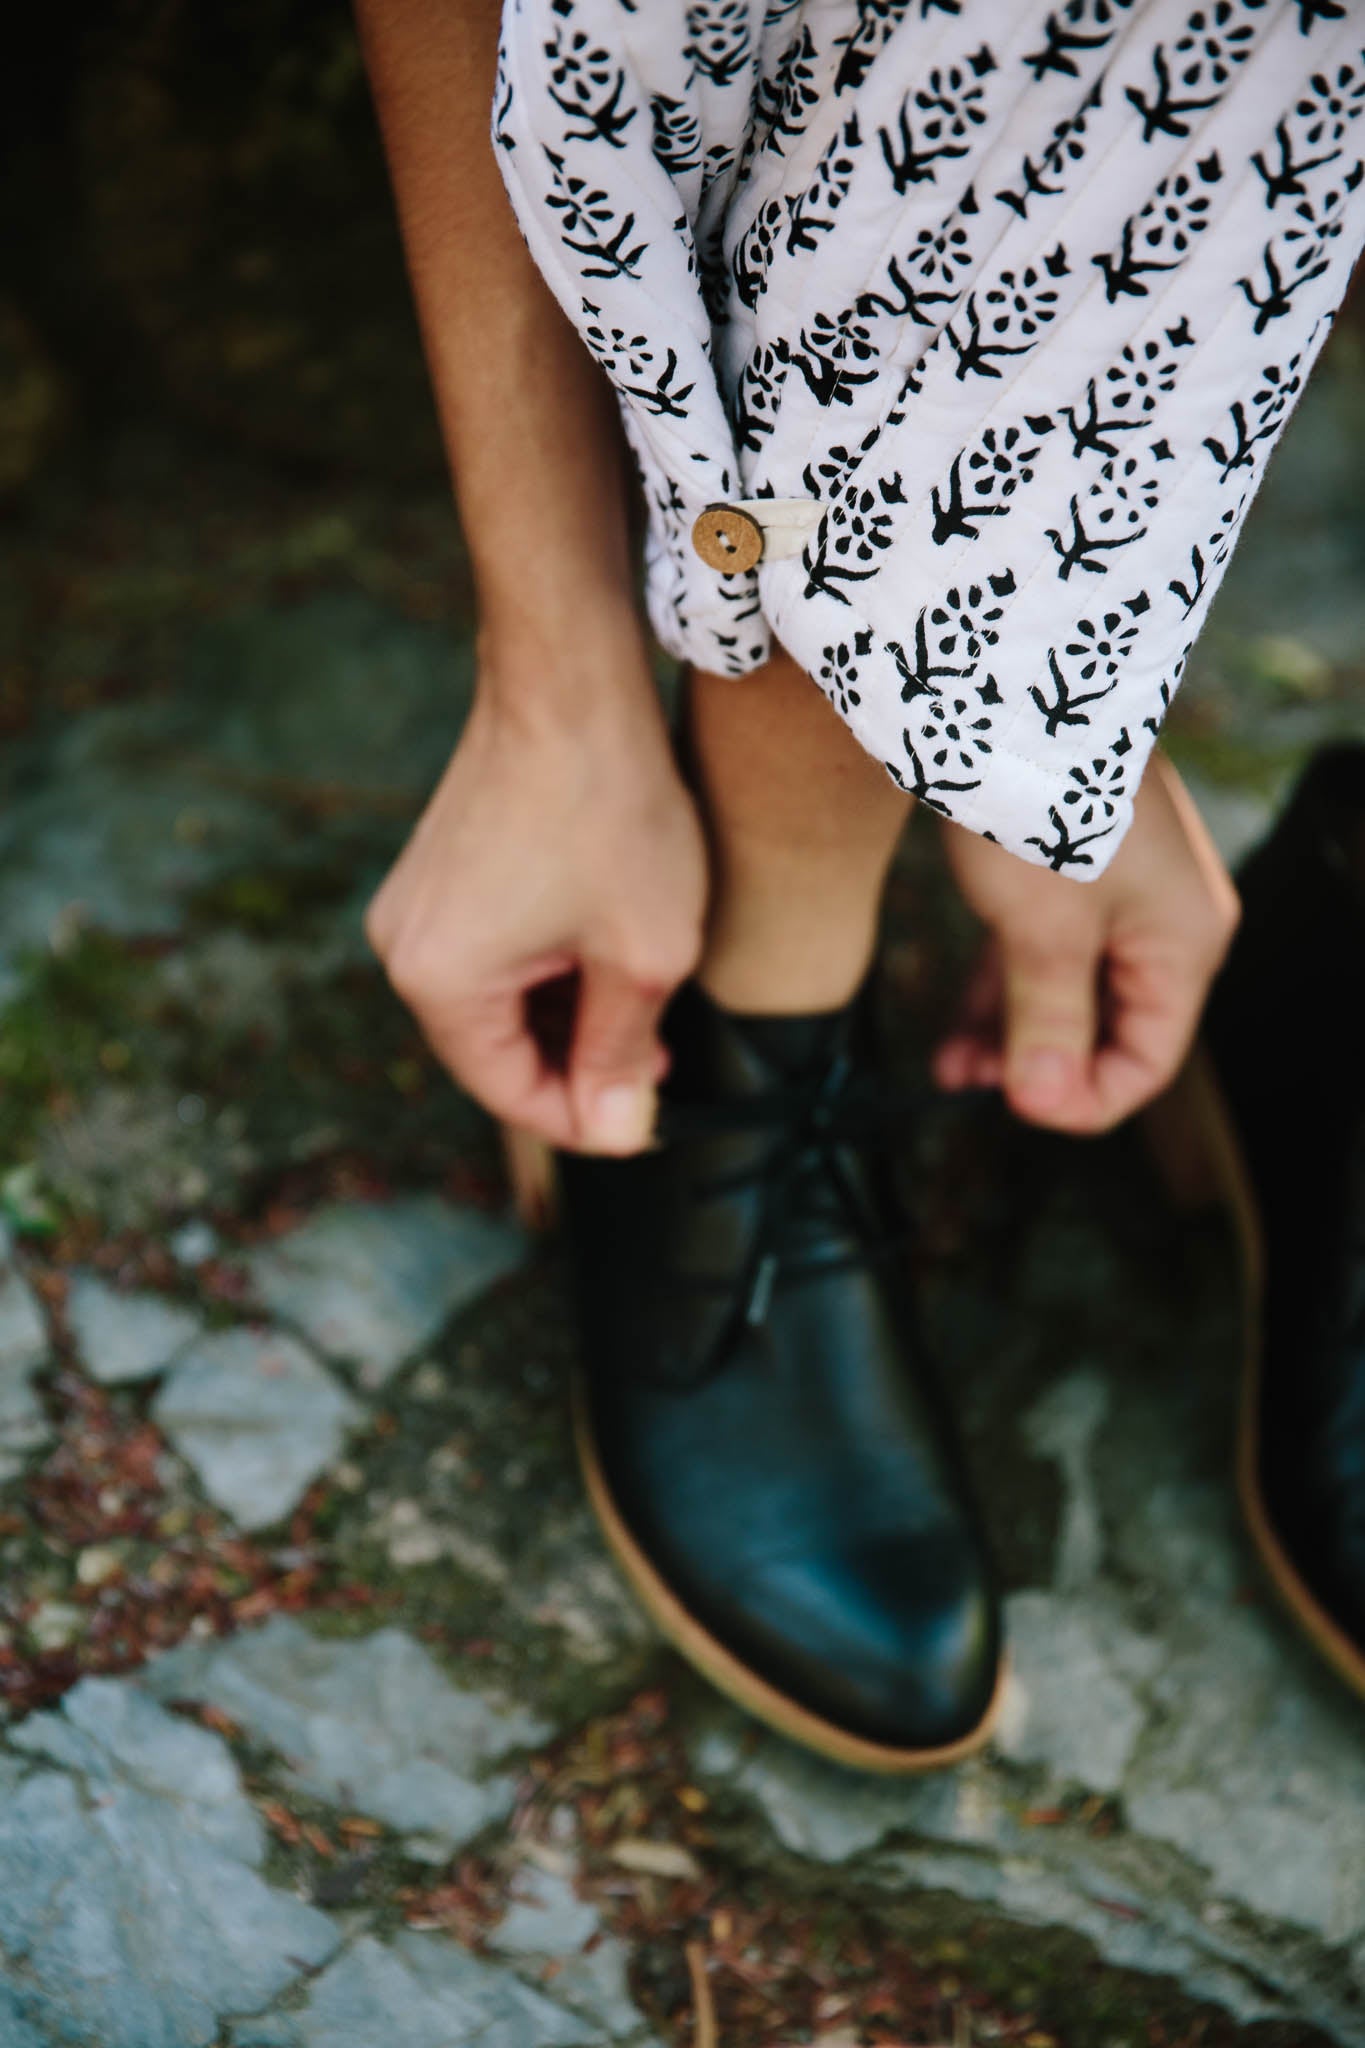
(615, 1060)
(1051, 1019)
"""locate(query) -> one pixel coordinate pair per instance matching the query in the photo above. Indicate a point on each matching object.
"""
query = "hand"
(560, 840)
(1087, 994)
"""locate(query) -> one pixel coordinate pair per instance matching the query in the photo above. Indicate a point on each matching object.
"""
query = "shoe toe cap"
(893, 1639)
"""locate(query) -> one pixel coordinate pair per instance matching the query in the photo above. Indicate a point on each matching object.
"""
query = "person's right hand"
(560, 839)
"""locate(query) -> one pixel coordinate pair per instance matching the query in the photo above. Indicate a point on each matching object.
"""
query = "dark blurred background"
(196, 225)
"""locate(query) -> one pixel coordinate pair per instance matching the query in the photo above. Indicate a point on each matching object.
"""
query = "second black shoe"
(1287, 1030)
(758, 1423)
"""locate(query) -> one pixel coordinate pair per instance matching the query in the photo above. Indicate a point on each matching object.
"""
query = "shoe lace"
(801, 1173)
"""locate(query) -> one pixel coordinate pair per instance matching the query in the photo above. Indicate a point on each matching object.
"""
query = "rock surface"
(373, 1282)
(548, 1929)
(373, 1726)
(419, 1993)
(546, 1918)
(23, 1350)
(133, 1911)
(257, 1417)
(147, 804)
(123, 1337)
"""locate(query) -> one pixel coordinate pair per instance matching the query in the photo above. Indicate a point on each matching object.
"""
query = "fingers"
(616, 1060)
(969, 1055)
(485, 1041)
(1029, 1024)
(487, 1044)
(1051, 1023)
(1155, 1012)
(1141, 1028)
(570, 1053)
(1163, 952)
(601, 1100)
(1079, 1034)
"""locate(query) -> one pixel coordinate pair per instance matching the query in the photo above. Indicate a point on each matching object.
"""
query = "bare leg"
(803, 825)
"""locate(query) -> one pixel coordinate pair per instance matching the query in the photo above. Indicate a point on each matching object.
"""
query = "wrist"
(530, 623)
(585, 679)
(548, 563)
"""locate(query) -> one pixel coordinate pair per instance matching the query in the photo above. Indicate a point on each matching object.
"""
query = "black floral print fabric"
(1018, 298)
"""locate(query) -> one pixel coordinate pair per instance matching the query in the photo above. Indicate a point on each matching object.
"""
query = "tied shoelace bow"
(813, 1123)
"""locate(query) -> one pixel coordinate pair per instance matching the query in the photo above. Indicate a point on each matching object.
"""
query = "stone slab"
(257, 1417)
(15, 2030)
(122, 1337)
(373, 1725)
(142, 804)
(547, 1929)
(546, 1917)
(23, 1333)
(114, 1734)
(1248, 1778)
(132, 1911)
(372, 1282)
(423, 1992)
(1076, 1704)
(23, 1350)
(969, 1833)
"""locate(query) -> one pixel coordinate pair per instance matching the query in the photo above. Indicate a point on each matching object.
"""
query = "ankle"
(778, 990)
(785, 970)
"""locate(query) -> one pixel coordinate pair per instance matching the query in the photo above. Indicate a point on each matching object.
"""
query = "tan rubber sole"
(1195, 1115)
(728, 1673)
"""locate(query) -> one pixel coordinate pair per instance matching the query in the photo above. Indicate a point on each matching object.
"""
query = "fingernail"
(623, 1117)
(1041, 1075)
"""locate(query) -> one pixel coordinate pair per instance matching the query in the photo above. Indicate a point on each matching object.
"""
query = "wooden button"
(727, 540)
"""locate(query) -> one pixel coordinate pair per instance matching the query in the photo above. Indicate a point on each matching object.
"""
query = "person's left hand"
(1087, 994)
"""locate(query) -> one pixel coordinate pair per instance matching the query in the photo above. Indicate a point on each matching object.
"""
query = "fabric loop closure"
(734, 537)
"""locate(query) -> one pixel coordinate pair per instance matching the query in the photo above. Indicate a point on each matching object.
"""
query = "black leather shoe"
(758, 1425)
(1287, 1031)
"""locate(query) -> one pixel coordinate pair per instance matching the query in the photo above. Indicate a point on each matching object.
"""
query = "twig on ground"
(704, 2033)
